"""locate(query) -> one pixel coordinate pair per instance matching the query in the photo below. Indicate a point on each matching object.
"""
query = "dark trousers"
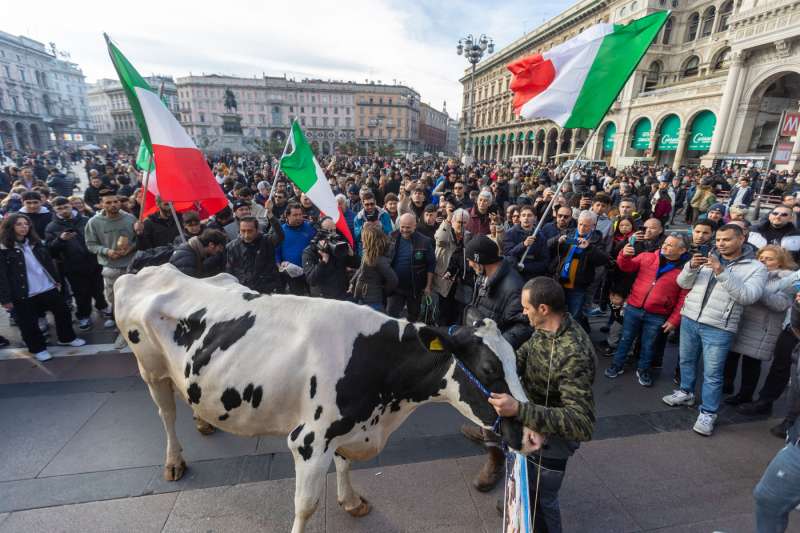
(781, 367)
(85, 287)
(407, 298)
(296, 286)
(28, 311)
(751, 371)
(544, 498)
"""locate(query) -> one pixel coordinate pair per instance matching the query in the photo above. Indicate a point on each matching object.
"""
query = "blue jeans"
(712, 344)
(778, 492)
(575, 299)
(637, 321)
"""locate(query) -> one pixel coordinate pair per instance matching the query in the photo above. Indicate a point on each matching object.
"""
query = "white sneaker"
(74, 343)
(105, 312)
(109, 323)
(43, 356)
(84, 324)
(679, 397)
(705, 424)
(43, 325)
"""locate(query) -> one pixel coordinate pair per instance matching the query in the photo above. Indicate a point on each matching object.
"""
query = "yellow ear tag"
(436, 345)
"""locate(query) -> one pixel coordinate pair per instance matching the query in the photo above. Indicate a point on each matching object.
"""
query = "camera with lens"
(331, 243)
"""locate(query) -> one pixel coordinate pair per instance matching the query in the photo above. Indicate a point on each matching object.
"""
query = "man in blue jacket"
(519, 238)
(297, 234)
(741, 194)
(370, 208)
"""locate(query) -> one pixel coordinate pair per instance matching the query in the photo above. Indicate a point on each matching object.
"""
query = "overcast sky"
(411, 41)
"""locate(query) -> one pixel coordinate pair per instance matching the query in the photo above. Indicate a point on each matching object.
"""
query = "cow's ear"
(436, 339)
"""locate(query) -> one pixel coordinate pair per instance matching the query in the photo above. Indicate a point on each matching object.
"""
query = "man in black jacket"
(251, 256)
(158, 229)
(202, 256)
(497, 297)
(414, 261)
(520, 238)
(325, 262)
(66, 240)
(40, 215)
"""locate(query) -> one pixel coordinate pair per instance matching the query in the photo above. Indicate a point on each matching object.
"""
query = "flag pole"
(177, 221)
(520, 265)
(275, 180)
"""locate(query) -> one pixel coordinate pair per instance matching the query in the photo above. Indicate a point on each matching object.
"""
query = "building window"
(202, 117)
(692, 67)
(694, 23)
(708, 21)
(725, 13)
(652, 77)
(722, 60)
(667, 31)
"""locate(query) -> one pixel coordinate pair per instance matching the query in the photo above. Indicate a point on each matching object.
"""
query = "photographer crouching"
(325, 262)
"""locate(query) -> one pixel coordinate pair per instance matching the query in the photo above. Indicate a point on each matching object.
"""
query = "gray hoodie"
(102, 234)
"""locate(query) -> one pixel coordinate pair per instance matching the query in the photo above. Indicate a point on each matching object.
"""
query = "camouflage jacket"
(569, 417)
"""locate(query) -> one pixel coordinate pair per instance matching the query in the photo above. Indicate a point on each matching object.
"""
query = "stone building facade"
(387, 116)
(432, 129)
(43, 101)
(710, 90)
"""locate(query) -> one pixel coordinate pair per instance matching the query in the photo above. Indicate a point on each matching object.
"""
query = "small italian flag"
(575, 83)
(300, 166)
(184, 177)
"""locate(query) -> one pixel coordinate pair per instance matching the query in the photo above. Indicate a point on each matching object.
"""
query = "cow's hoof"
(362, 509)
(205, 428)
(174, 472)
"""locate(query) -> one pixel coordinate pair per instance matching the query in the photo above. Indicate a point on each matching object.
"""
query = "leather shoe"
(761, 407)
(736, 399)
(491, 472)
(781, 429)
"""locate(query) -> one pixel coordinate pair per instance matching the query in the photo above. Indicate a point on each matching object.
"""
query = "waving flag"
(575, 83)
(183, 176)
(300, 166)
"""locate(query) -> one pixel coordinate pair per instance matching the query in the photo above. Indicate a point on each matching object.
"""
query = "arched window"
(694, 23)
(653, 75)
(725, 13)
(667, 31)
(708, 21)
(722, 60)
(692, 67)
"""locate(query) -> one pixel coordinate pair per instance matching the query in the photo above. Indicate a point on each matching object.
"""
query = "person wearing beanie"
(716, 214)
(497, 297)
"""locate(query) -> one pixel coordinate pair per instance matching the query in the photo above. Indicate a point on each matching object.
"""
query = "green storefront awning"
(530, 136)
(483, 140)
(494, 140)
(641, 135)
(668, 136)
(702, 131)
(608, 137)
(520, 136)
(503, 139)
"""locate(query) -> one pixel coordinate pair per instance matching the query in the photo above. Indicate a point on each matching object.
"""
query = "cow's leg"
(311, 466)
(348, 498)
(163, 395)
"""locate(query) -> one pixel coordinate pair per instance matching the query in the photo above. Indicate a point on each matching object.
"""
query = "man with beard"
(251, 257)
(159, 229)
(519, 238)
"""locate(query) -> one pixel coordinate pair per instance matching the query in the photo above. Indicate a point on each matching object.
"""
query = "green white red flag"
(181, 174)
(575, 83)
(300, 166)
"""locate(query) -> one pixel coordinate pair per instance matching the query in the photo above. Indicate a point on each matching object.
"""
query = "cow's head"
(491, 359)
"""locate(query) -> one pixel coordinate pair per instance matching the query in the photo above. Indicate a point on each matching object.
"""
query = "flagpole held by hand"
(277, 173)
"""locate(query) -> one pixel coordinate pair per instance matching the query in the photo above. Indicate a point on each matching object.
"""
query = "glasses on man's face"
(780, 214)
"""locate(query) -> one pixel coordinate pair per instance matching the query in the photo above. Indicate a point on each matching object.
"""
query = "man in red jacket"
(654, 303)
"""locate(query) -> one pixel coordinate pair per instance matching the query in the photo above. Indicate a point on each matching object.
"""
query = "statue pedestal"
(232, 138)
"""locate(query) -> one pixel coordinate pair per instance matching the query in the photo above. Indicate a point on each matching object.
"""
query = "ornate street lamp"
(473, 49)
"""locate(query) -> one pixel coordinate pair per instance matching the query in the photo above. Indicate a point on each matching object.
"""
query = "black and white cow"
(337, 378)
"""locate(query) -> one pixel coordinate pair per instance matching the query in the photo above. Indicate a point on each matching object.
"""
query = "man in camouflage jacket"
(556, 366)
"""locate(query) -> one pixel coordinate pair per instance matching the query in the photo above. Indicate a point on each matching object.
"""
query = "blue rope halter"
(475, 381)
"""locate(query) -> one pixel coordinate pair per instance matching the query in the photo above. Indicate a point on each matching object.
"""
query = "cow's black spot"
(258, 392)
(363, 428)
(251, 296)
(318, 413)
(194, 393)
(366, 439)
(133, 336)
(313, 386)
(247, 393)
(222, 336)
(231, 399)
(385, 369)
(306, 449)
(190, 329)
(186, 370)
(375, 420)
(340, 456)
(296, 432)
(224, 417)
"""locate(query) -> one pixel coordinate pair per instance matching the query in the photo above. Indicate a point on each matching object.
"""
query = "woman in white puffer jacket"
(760, 325)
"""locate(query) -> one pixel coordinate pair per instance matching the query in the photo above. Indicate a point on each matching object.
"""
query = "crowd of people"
(447, 243)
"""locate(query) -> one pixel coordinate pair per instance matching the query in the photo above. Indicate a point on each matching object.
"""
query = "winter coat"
(500, 300)
(326, 280)
(538, 258)
(718, 300)
(371, 284)
(423, 259)
(762, 321)
(39, 220)
(73, 253)
(478, 224)
(254, 264)
(593, 256)
(294, 240)
(189, 261)
(446, 246)
(659, 295)
(747, 199)
(358, 225)
(14, 273)
(158, 231)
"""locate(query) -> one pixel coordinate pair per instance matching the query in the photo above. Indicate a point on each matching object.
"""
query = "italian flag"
(183, 176)
(575, 83)
(300, 166)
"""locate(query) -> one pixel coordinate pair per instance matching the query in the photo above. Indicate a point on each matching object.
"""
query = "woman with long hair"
(759, 327)
(374, 280)
(29, 285)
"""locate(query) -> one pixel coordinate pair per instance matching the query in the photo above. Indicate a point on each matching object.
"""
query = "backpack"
(152, 257)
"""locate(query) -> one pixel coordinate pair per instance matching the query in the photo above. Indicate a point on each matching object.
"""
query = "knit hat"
(482, 250)
(717, 207)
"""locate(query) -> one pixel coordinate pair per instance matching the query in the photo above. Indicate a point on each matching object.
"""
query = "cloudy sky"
(411, 41)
